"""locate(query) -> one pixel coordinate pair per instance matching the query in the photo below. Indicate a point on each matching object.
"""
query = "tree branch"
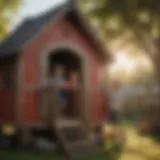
(145, 40)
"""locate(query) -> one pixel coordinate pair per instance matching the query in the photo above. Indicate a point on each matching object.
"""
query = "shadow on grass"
(26, 155)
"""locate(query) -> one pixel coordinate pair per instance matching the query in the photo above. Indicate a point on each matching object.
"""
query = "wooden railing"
(50, 109)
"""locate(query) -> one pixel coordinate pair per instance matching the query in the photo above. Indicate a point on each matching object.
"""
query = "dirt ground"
(139, 147)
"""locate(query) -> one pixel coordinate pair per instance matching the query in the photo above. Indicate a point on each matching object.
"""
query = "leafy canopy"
(118, 18)
(8, 8)
(132, 26)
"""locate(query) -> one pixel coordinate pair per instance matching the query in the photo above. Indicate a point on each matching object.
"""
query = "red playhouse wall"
(61, 31)
(7, 106)
(7, 95)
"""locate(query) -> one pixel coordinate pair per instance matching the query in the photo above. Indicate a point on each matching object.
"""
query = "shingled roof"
(28, 29)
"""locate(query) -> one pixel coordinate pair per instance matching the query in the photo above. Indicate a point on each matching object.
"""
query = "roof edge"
(61, 14)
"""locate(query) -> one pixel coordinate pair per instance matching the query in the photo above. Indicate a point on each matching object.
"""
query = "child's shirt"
(60, 94)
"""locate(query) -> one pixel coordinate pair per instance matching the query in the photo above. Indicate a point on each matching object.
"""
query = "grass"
(24, 155)
(111, 154)
(27, 155)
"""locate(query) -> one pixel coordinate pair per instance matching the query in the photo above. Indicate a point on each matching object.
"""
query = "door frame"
(44, 66)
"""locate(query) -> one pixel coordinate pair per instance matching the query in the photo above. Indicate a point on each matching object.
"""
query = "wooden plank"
(73, 146)
(62, 140)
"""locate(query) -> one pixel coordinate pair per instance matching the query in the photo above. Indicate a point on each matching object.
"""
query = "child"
(74, 80)
(59, 82)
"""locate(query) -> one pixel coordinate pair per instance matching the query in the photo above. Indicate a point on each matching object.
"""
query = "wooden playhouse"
(26, 57)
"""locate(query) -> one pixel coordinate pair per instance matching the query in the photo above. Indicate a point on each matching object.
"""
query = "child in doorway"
(59, 82)
(74, 80)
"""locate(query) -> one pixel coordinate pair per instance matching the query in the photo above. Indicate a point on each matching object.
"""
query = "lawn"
(23, 155)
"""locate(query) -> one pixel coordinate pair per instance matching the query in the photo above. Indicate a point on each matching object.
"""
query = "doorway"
(71, 62)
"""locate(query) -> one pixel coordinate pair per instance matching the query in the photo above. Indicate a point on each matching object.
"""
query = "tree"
(8, 9)
(136, 22)
(132, 22)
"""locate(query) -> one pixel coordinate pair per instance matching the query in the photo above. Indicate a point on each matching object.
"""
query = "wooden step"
(67, 123)
(73, 134)
(73, 138)
(82, 149)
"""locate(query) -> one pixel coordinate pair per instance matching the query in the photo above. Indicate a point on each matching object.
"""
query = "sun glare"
(125, 65)
(122, 62)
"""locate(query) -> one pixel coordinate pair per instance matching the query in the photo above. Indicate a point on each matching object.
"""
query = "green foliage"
(8, 8)
(145, 14)
(124, 9)
(131, 26)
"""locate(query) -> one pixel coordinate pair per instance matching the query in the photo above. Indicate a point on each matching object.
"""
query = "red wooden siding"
(7, 106)
(7, 90)
(30, 106)
(58, 33)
